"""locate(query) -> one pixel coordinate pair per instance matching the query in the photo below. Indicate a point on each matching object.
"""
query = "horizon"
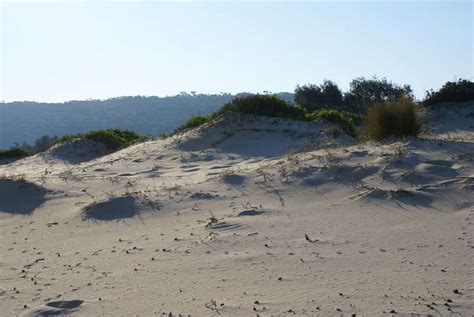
(58, 52)
(188, 93)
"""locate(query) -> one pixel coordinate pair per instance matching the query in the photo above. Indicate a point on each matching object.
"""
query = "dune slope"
(242, 217)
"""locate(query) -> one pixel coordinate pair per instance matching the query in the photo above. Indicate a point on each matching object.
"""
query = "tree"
(43, 143)
(313, 97)
(365, 92)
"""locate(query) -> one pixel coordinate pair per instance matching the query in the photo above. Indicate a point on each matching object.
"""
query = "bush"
(457, 91)
(272, 106)
(263, 105)
(194, 122)
(258, 105)
(314, 97)
(364, 92)
(396, 117)
(13, 153)
(343, 119)
(114, 139)
(43, 143)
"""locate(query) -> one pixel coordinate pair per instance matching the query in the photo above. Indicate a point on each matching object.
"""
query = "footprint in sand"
(250, 212)
(191, 170)
(204, 196)
(64, 307)
(224, 225)
(233, 179)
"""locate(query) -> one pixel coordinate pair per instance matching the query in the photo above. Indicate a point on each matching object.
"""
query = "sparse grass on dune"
(264, 105)
(345, 120)
(13, 153)
(396, 117)
(193, 122)
(114, 139)
(272, 106)
(258, 105)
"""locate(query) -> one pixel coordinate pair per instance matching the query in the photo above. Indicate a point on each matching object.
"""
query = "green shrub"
(13, 153)
(258, 105)
(457, 91)
(194, 122)
(263, 105)
(272, 106)
(396, 117)
(345, 120)
(114, 139)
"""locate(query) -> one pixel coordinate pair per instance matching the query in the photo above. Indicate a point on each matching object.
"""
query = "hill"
(26, 121)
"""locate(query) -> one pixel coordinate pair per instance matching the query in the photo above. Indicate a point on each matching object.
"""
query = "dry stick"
(35, 261)
(212, 305)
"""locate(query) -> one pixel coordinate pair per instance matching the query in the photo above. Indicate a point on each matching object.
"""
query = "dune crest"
(76, 151)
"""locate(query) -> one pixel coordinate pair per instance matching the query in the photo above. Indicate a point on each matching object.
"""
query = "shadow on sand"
(113, 209)
(20, 197)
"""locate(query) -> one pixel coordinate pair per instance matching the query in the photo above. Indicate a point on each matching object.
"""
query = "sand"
(241, 217)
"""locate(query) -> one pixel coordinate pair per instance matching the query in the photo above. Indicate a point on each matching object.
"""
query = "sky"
(75, 50)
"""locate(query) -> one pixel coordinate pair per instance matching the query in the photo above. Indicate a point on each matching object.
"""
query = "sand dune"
(241, 217)
(76, 151)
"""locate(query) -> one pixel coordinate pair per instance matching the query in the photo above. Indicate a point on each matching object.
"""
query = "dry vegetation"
(392, 118)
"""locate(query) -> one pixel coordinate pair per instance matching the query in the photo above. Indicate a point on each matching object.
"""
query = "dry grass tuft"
(396, 117)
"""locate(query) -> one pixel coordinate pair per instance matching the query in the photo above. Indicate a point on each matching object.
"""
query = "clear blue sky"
(59, 51)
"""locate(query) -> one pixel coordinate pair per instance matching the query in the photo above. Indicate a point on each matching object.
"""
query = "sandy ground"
(244, 217)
